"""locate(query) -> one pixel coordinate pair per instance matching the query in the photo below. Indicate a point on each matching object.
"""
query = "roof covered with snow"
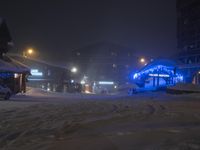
(21, 58)
(158, 66)
(10, 65)
(160, 62)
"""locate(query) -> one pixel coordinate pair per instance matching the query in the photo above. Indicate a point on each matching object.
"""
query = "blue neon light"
(135, 76)
(4, 75)
(159, 70)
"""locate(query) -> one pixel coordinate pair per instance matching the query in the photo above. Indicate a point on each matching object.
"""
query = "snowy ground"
(146, 121)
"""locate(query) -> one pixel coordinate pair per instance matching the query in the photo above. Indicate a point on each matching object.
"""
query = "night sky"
(55, 27)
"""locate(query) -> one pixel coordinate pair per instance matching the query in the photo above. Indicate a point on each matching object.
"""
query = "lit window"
(113, 54)
(191, 46)
(16, 75)
(49, 72)
(127, 66)
(114, 66)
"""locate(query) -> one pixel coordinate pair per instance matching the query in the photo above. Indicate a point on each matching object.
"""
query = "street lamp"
(142, 60)
(28, 52)
(74, 70)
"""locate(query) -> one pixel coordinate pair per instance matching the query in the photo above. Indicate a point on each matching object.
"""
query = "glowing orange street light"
(142, 60)
(30, 51)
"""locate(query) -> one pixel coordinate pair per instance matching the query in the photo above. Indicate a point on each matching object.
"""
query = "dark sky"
(55, 27)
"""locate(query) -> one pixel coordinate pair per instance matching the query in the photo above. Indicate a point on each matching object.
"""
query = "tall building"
(188, 31)
(104, 61)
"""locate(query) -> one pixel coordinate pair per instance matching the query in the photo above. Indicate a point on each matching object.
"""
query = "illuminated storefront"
(14, 75)
(158, 73)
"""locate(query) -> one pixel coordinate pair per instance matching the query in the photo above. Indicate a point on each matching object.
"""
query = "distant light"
(115, 87)
(72, 81)
(142, 60)
(180, 77)
(106, 83)
(85, 77)
(35, 72)
(160, 75)
(30, 51)
(74, 70)
(87, 92)
(48, 89)
(87, 85)
(82, 82)
(199, 72)
(16, 75)
(37, 79)
(135, 76)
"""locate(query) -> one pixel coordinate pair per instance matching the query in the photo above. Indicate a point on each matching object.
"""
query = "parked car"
(5, 92)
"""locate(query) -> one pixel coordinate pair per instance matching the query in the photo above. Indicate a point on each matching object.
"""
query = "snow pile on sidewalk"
(184, 88)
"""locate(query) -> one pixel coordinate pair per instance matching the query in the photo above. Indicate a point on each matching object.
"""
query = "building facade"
(104, 61)
(13, 74)
(188, 30)
(46, 76)
(188, 36)
(158, 74)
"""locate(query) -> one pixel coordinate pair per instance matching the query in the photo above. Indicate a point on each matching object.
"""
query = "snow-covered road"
(147, 121)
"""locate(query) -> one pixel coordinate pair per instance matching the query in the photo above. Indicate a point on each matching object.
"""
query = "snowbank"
(42, 120)
(181, 88)
(144, 121)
